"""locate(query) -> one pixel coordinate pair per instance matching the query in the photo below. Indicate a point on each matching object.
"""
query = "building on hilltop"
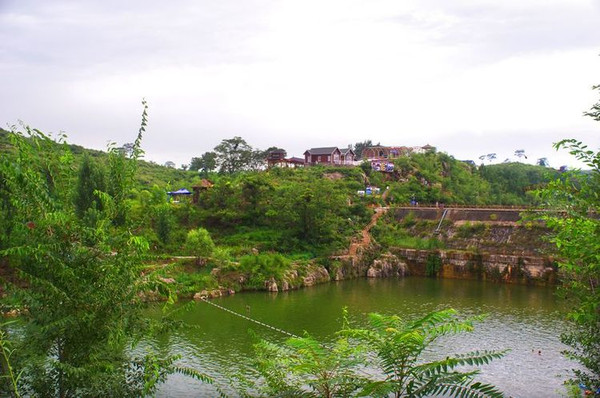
(329, 156)
(348, 156)
(295, 162)
(277, 158)
(380, 152)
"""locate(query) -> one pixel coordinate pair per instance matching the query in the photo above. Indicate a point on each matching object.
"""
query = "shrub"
(199, 243)
(433, 265)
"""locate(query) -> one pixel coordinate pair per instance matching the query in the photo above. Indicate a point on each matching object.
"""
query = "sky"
(468, 77)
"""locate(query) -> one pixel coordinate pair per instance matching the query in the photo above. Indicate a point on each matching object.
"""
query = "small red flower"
(30, 224)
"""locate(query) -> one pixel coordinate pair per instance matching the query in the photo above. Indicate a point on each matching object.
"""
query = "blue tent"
(181, 191)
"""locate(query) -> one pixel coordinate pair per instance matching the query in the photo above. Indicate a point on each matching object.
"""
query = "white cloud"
(300, 74)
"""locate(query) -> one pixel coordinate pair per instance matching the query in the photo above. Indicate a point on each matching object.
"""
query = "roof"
(345, 151)
(295, 160)
(322, 151)
(204, 183)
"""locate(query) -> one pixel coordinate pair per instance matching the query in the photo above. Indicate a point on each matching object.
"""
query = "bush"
(262, 267)
(199, 243)
(433, 265)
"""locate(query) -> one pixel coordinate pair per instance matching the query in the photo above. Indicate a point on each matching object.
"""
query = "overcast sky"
(469, 77)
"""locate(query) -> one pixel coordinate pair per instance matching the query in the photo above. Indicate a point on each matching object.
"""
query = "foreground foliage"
(74, 274)
(389, 344)
(577, 238)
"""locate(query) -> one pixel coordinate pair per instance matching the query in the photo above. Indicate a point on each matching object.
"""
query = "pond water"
(525, 319)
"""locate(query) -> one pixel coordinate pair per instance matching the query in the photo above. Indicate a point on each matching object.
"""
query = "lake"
(525, 319)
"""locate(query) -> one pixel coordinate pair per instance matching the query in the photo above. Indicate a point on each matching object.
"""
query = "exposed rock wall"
(497, 267)
(386, 266)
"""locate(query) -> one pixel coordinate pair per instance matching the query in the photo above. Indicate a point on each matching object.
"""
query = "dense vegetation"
(302, 214)
(437, 177)
(576, 227)
(76, 275)
(83, 232)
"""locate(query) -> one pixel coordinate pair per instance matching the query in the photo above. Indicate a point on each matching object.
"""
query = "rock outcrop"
(387, 266)
(497, 267)
(316, 275)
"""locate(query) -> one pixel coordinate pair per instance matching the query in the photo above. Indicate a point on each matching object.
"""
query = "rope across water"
(359, 371)
(250, 319)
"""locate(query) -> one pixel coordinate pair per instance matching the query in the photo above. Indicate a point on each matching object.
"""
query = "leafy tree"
(303, 363)
(594, 111)
(80, 284)
(89, 180)
(170, 164)
(520, 153)
(576, 226)
(255, 190)
(204, 164)
(164, 223)
(543, 162)
(234, 155)
(360, 146)
(126, 149)
(199, 243)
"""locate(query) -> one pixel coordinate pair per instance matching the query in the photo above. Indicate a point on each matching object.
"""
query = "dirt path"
(365, 233)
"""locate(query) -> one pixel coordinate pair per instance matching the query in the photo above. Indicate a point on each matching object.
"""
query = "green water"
(524, 319)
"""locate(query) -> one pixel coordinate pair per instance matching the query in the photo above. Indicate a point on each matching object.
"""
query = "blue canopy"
(181, 191)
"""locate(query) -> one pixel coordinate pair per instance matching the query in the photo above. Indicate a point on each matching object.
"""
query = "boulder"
(271, 285)
(316, 274)
(386, 266)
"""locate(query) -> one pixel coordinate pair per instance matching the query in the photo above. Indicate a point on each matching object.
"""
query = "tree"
(576, 204)
(360, 146)
(233, 155)
(303, 362)
(490, 157)
(80, 285)
(543, 162)
(89, 180)
(520, 153)
(199, 243)
(170, 164)
(574, 199)
(163, 222)
(126, 149)
(594, 111)
(204, 164)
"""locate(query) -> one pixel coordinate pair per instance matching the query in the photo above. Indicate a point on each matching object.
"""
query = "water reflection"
(524, 319)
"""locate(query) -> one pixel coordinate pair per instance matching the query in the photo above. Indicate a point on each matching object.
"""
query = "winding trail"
(365, 240)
